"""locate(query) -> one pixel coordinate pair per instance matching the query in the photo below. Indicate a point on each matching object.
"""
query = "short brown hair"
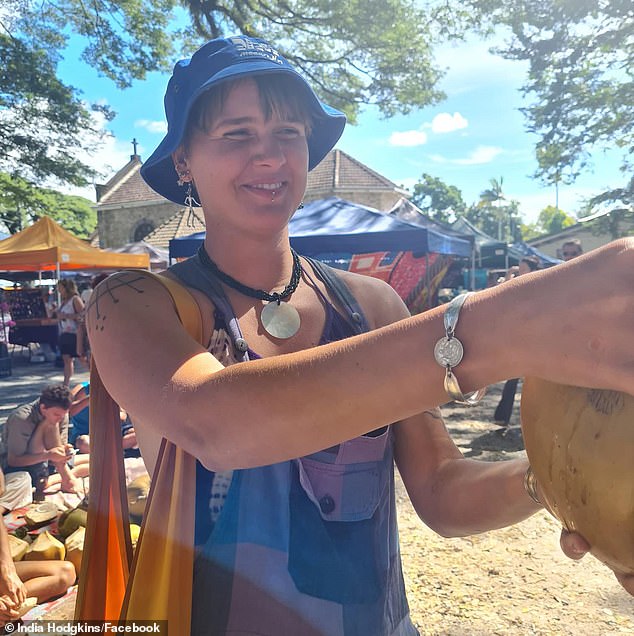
(56, 395)
(278, 96)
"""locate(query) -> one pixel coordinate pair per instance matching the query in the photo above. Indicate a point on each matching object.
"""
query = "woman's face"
(250, 172)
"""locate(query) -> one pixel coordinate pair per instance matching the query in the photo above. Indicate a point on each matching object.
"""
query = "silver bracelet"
(530, 486)
(449, 351)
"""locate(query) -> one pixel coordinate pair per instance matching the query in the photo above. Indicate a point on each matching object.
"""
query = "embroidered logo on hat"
(253, 49)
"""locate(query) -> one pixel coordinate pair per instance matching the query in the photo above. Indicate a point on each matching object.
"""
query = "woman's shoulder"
(379, 301)
(128, 293)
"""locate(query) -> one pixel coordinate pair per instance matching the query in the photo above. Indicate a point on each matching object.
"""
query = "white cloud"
(159, 127)
(482, 154)
(446, 123)
(408, 138)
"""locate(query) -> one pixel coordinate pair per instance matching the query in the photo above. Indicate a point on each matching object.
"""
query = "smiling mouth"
(267, 187)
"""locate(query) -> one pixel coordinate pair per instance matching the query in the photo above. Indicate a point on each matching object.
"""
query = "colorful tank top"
(307, 547)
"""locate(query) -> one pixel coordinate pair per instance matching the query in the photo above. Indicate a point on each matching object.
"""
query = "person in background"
(504, 409)
(43, 580)
(571, 249)
(83, 344)
(70, 314)
(37, 442)
(16, 490)
(79, 434)
(300, 402)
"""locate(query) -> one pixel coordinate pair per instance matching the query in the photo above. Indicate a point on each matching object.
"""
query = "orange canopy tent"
(46, 246)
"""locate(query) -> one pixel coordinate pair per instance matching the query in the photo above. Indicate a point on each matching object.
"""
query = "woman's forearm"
(287, 406)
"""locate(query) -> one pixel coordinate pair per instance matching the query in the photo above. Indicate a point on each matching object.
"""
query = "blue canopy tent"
(411, 258)
(544, 259)
(336, 226)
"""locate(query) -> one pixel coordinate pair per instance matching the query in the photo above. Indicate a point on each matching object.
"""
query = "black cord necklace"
(278, 318)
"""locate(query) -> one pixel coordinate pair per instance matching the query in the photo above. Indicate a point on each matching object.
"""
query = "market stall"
(45, 246)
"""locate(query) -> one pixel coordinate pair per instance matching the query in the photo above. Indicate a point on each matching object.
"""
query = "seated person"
(79, 416)
(16, 491)
(37, 441)
(18, 581)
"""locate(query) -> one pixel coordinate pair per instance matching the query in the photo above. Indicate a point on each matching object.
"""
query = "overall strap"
(335, 284)
(194, 274)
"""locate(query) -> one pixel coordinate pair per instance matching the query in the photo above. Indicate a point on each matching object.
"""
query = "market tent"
(45, 246)
(159, 257)
(356, 238)
(335, 226)
(528, 250)
(490, 252)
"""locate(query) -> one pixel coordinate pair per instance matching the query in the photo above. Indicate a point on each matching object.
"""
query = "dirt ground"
(511, 582)
(514, 581)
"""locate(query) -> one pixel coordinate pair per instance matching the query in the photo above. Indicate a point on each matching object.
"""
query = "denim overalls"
(307, 547)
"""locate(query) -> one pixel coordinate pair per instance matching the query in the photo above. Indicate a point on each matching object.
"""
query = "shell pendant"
(280, 319)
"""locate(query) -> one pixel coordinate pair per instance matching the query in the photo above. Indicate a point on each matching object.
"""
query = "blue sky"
(477, 133)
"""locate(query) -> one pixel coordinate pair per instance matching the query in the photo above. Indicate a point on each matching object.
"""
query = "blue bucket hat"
(217, 61)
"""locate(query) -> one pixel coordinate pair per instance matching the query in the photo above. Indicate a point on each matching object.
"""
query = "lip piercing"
(273, 193)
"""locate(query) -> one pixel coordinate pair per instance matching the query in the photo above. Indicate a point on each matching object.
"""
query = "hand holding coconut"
(580, 443)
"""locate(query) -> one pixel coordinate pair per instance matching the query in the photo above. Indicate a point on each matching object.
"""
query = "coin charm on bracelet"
(280, 320)
(448, 352)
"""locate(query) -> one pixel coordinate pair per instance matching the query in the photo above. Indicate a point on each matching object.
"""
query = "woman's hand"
(575, 547)
(573, 323)
(12, 592)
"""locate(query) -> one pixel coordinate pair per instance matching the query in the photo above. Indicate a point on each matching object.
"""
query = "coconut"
(29, 603)
(18, 547)
(75, 547)
(40, 514)
(138, 491)
(45, 548)
(580, 444)
(135, 531)
(71, 520)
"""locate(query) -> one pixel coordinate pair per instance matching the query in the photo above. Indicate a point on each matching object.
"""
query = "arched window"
(142, 230)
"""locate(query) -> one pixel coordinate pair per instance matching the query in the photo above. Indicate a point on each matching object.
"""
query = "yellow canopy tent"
(46, 246)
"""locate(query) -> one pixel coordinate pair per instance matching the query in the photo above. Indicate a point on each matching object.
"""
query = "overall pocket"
(337, 517)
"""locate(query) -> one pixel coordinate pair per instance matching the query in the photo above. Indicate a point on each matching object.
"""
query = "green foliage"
(353, 52)
(438, 200)
(43, 122)
(22, 203)
(497, 214)
(580, 81)
(620, 220)
(552, 220)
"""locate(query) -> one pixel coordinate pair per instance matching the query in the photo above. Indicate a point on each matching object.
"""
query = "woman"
(294, 538)
(70, 314)
(42, 580)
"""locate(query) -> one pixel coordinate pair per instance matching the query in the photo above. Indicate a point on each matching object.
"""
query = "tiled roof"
(126, 186)
(176, 226)
(339, 171)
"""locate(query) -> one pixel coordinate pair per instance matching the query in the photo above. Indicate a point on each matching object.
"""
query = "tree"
(552, 220)
(354, 53)
(437, 199)
(580, 80)
(43, 122)
(22, 203)
(620, 219)
(495, 214)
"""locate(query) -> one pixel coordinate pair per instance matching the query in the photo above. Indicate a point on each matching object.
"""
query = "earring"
(184, 177)
(300, 206)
